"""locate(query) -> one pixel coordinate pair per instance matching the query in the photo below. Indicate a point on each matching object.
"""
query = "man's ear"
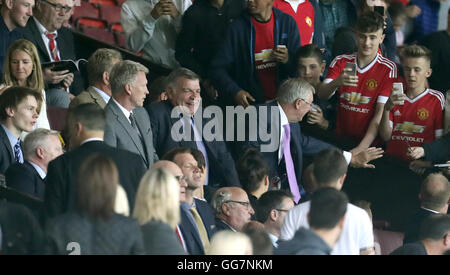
(105, 77)
(225, 209)
(382, 38)
(9, 111)
(9, 4)
(297, 103)
(428, 74)
(273, 215)
(322, 68)
(40, 152)
(128, 89)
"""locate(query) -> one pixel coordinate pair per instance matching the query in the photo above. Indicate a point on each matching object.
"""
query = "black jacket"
(25, 178)
(204, 28)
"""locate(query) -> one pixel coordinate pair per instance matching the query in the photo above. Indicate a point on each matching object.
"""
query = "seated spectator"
(39, 148)
(157, 212)
(22, 68)
(397, 11)
(415, 116)
(326, 219)
(434, 198)
(273, 207)
(20, 231)
(230, 243)
(330, 170)
(434, 238)
(261, 243)
(233, 209)
(152, 27)
(253, 175)
(93, 225)
(128, 124)
(19, 111)
(201, 211)
(248, 72)
(99, 67)
(54, 43)
(439, 43)
(183, 92)
(13, 15)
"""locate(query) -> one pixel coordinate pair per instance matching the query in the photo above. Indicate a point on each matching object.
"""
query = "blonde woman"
(22, 68)
(157, 211)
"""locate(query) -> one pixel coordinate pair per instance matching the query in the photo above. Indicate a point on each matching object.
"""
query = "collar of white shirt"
(124, 111)
(40, 171)
(104, 95)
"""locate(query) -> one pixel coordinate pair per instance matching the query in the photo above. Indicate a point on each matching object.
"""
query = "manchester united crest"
(308, 21)
(423, 113)
(371, 84)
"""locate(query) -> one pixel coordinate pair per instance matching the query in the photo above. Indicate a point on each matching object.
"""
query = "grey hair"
(219, 198)
(294, 88)
(35, 139)
(124, 72)
(172, 78)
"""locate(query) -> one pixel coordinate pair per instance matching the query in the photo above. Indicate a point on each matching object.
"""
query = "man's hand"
(394, 99)
(54, 77)
(316, 117)
(362, 159)
(68, 80)
(346, 79)
(419, 166)
(158, 9)
(416, 152)
(280, 54)
(242, 98)
(169, 8)
(412, 11)
(210, 91)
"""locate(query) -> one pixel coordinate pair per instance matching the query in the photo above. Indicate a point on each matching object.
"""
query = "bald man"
(233, 209)
(434, 198)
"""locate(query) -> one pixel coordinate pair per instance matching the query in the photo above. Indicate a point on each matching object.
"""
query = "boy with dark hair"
(414, 117)
(363, 82)
(19, 110)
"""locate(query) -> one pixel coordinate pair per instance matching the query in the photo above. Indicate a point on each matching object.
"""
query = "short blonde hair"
(36, 79)
(227, 242)
(158, 198)
(416, 51)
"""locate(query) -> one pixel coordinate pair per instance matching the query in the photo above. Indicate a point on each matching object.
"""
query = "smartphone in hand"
(352, 66)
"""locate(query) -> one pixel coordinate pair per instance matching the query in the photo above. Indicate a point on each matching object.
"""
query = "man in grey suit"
(128, 124)
(99, 67)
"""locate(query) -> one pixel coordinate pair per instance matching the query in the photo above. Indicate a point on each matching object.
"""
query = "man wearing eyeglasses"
(233, 209)
(54, 43)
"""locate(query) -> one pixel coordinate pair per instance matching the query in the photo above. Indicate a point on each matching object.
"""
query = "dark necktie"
(17, 151)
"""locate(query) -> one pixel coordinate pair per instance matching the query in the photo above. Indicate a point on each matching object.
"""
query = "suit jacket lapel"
(96, 97)
(123, 121)
(38, 38)
(5, 140)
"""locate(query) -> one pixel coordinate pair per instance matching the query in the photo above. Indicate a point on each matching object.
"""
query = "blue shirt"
(6, 38)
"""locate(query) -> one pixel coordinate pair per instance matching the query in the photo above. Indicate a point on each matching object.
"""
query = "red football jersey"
(266, 67)
(304, 17)
(356, 106)
(416, 122)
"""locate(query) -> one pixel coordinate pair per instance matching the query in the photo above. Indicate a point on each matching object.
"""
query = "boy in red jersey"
(362, 94)
(420, 118)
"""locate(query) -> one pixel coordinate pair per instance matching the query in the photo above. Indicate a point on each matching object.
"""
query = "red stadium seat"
(110, 13)
(90, 22)
(103, 2)
(100, 34)
(85, 10)
(121, 40)
(57, 117)
(120, 2)
(116, 27)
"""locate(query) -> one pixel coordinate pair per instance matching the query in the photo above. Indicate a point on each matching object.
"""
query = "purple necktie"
(289, 163)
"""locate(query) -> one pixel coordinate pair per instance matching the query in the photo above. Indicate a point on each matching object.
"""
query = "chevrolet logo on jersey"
(409, 128)
(264, 55)
(355, 98)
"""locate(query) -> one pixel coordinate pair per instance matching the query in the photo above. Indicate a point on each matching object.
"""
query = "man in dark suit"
(18, 113)
(232, 207)
(54, 42)
(201, 211)
(434, 199)
(128, 124)
(39, 148)
(99, 67)
(284, 150)
(187, 229)
(86, 125)
(183, 91)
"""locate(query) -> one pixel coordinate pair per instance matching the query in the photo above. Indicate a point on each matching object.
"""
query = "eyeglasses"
(313, 106)
(246, 204)
(58, 7)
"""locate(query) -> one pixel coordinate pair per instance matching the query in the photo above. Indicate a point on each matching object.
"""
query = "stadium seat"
(120, 2)
(57, 117)
(110, 13)
(90, 22)
(388, 240)
(116, 27)
(103, 2)
(100, 34)
(121, 40)
(84, 10)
